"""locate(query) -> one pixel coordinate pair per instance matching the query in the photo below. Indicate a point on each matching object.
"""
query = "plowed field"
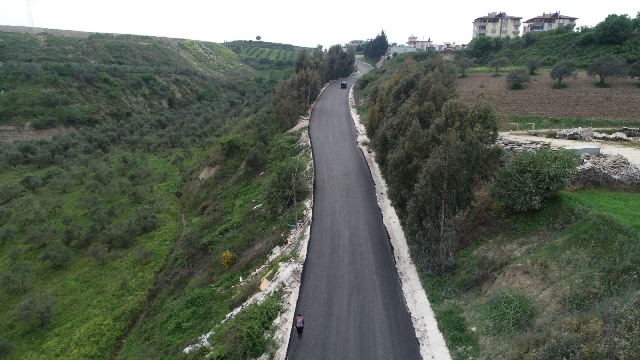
(621, 101)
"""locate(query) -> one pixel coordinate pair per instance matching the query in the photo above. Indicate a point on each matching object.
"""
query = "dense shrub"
(287, 184)
(532, 177)
(227, 259)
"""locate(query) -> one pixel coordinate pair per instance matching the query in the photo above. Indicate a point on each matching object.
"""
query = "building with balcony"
(420, 44)
(497, 24)
(547, 22)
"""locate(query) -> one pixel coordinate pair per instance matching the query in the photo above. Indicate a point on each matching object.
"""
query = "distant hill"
(38, 30)
(68, 78)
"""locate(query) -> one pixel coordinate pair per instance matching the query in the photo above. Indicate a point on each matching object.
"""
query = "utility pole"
(29, 12)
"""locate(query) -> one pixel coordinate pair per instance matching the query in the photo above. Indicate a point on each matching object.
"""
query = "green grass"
(622, 206)
(567, 268)
(486, 69)
(94, 303)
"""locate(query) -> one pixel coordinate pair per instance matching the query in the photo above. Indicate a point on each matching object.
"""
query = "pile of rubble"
(616, 136)
(631, 132)
(606, 170)
(517, 146)
(574, 133)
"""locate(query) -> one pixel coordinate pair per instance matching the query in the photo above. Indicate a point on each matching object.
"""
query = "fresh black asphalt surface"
(350, 294)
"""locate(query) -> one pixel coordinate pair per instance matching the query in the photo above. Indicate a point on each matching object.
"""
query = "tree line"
(432, 150)
(435, 153)
(294, 95)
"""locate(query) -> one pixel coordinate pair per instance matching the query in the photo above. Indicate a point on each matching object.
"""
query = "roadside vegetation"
(126, 235)
(549, 275)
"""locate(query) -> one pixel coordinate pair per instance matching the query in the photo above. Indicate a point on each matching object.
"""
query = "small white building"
(420, 44)
(413, 42)
(400, 49)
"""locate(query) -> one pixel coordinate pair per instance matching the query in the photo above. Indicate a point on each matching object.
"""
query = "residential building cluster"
(413, 44)
(494, 24)
(499, 24)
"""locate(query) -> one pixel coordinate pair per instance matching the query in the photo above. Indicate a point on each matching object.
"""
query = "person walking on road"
(298, 323)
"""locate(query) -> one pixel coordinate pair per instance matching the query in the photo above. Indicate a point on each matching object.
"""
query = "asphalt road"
(350, 294)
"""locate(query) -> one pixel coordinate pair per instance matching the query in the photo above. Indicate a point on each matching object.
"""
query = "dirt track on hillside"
(581, 99)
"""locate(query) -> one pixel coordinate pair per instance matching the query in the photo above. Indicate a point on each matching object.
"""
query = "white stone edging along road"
(432, 344)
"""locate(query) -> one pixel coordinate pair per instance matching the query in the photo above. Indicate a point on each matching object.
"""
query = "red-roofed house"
(547, 22)
(497, 24)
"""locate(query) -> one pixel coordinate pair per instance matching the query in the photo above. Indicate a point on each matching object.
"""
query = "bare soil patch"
(581, 99)
(14, 133)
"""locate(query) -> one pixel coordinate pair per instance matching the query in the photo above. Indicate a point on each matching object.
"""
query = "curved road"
(350, 294)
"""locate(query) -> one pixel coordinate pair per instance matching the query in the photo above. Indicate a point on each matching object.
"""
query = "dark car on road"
(343, 85)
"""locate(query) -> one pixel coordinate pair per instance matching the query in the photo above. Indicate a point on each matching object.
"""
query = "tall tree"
(432, 151)
(340, 63)
(377, 47)
(615, 29)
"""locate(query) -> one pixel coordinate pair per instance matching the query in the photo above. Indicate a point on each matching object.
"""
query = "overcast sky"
(302, 23)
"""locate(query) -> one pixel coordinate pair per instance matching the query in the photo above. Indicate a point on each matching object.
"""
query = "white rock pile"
(607, 169)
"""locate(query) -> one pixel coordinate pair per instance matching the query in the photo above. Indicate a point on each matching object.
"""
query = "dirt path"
(632, 154)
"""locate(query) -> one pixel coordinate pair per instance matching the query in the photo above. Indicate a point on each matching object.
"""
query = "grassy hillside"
(561, 282)
(112, 234)
(56, 80)
(264, 55)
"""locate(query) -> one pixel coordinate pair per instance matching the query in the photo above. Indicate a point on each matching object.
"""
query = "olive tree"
(562, 70)
(498, 63)
(533, 64)
(606, 66)
(31, 182)
(38, 308)
(517, 78)
(464, 63)
(58, 254)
